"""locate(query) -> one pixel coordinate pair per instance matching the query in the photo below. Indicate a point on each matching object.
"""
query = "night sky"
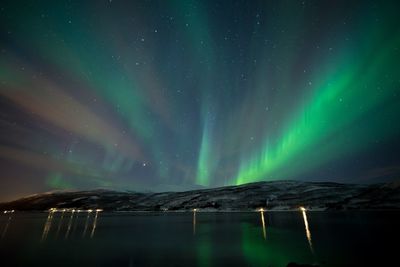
(175, 95)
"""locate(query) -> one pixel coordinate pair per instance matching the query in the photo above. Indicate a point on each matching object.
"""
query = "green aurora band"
(350, 90)
(179, 95)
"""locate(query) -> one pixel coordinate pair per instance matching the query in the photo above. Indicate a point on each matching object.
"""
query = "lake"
(201, 239)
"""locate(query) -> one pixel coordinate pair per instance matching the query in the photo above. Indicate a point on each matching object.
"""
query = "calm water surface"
(199, 239)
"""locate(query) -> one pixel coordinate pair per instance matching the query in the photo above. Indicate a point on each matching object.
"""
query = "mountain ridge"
(274, 195)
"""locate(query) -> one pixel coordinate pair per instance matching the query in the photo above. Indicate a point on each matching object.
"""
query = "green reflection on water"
(203, 243)
(203, 248)
(204, 252)
(257, 251)
(278, 248)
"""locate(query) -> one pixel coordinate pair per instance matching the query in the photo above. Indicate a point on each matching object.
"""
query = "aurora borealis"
(176, 95)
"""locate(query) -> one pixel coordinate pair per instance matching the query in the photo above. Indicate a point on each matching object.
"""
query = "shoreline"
(199, 211)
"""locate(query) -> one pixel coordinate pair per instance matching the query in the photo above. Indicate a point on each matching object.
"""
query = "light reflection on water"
(47, 225)
(69, 224)
(74, 217)
(194, 221)
(60, 223)
(187, 239)
(86, 225)
(263, 224)
(308, 233)
(6, 226)
(94, 225)
(72, 224)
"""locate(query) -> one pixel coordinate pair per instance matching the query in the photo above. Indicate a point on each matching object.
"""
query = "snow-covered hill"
(276, 195)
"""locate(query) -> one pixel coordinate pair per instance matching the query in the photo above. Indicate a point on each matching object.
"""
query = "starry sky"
(183, 94)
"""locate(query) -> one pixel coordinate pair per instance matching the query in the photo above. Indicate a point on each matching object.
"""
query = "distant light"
(303, 209)
(8, 211)
(260, 210)
(99, 210)
(90, 211)
(194, 210)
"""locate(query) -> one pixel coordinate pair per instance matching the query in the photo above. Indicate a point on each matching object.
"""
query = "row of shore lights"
(300, 208)
(8, 211)
(262, 209)
(100, 210)
(74, 210)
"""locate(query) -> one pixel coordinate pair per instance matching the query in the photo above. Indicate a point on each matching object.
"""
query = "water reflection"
(308, 233)
(60, 222)
(75, 223)
(194, 221)
(47, 225)
(232, 239)
(69, 224)
(7, 225)
(86, 225)
(73, 220)
(94, 225)
(263, 224)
